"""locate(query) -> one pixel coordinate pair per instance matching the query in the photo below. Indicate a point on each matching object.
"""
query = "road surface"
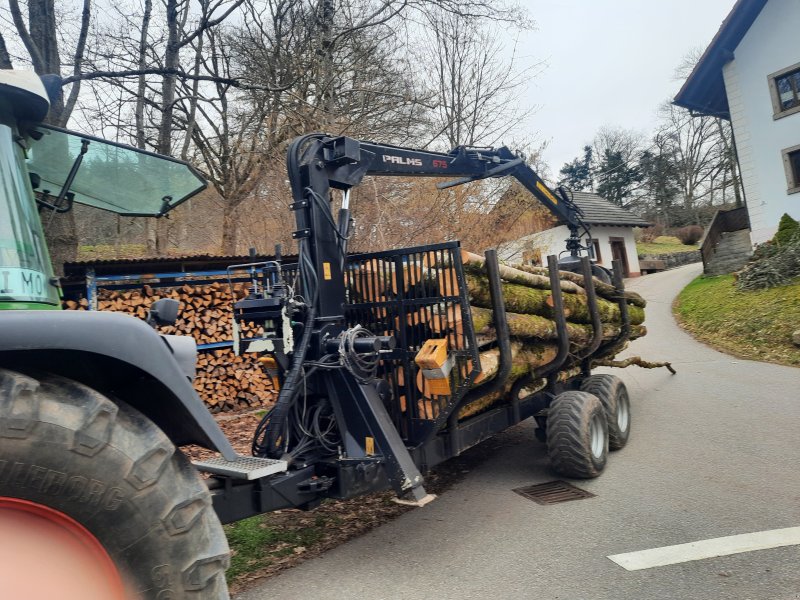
(714, 452)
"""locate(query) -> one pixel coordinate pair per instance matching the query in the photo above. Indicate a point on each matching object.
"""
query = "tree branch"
(30, 45)
(77, 61)
(176, 72)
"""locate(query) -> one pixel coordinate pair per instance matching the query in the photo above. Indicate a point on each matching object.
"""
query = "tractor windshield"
(113, 177)
(25, 273)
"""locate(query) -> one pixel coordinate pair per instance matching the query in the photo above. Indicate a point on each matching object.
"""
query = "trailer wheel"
(109, 489)
(577, 435)
(614, 395)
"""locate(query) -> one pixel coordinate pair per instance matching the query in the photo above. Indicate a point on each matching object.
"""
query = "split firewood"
(223, 381)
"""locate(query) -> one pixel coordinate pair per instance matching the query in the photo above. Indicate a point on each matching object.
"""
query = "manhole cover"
(552, 492)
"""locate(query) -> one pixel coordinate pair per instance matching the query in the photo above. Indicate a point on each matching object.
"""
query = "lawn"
(757, 325)
(664, 244)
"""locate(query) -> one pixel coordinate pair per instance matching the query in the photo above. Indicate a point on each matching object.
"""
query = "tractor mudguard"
(121, 356)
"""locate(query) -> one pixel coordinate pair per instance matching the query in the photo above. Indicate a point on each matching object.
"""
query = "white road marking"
(723, 546)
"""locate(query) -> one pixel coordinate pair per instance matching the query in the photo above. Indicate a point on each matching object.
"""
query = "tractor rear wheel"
(577, 435)
(614, 395)
(106, 490)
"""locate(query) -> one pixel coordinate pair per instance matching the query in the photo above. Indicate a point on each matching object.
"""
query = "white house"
(612, 235)
(750, 74)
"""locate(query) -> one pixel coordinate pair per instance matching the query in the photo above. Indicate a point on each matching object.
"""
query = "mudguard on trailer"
(91, 342)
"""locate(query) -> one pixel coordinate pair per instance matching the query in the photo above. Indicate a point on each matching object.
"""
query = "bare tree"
(40, 37)
(698, 153)
(476, 90)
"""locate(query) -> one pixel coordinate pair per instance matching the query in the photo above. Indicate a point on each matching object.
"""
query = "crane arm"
(464, 163)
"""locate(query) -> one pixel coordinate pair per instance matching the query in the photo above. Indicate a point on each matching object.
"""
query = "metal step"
(244, 467)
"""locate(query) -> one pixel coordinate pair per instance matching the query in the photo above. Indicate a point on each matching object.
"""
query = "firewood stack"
(224, 381)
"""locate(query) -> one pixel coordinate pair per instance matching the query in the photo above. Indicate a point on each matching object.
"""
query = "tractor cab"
(26, 276)
(44, 170)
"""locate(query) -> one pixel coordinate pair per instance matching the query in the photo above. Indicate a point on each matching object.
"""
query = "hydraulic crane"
(316, 165)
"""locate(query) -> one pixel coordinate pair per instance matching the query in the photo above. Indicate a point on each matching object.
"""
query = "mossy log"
(576, 308)
(490, 400)
(522, 299)
(521, 326)
(602, 288)
(475, 264)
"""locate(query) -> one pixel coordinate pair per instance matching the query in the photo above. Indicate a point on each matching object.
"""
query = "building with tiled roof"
(610, 226)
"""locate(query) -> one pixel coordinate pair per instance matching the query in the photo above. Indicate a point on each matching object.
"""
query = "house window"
(785, 90)
(791, 163)
(594, 249)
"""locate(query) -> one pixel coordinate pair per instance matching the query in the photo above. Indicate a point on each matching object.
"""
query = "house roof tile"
(599, 211)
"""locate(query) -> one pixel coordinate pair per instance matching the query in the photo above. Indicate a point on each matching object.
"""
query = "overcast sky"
(609, 62)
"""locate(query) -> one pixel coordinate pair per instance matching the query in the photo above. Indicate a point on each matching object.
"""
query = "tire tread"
(568, 443)
(606, 387)
(170, 529)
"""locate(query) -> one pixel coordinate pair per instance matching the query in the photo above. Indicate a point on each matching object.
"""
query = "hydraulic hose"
(271, 434)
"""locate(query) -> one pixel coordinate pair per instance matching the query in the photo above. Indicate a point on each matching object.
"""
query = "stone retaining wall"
(675, 259)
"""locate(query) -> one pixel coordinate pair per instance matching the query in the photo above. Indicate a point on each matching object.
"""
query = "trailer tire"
(68, 450)
(613, 394)
(577, 435)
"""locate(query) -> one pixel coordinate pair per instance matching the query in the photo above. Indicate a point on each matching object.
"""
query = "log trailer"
(375, 356)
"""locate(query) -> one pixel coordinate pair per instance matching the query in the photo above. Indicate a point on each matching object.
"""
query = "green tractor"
(93, 405)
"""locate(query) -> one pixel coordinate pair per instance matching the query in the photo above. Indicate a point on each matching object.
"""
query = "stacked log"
(224, 381)
(530, 314)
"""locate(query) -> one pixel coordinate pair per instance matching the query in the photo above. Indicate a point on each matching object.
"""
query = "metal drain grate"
(552, 492)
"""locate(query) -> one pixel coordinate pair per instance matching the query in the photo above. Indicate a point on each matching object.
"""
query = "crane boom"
(463, 162)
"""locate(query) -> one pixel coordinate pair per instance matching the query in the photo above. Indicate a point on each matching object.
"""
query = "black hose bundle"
(271, 436)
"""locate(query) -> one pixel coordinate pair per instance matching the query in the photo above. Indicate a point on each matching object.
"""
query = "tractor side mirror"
(163, 312)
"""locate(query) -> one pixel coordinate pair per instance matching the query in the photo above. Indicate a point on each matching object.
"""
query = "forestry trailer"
(382, 370)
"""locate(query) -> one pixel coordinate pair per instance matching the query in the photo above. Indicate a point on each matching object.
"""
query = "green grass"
(258, 541)
(664, 244)
(756, 325)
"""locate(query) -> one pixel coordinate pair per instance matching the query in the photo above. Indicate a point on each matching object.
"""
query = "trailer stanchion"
(619, 287)
(503, 343)
(561, 323)
(597, 324)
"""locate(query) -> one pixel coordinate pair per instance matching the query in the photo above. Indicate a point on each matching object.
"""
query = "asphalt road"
(713, 452)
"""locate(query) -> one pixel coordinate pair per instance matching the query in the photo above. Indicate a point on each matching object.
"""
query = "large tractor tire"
(614, 396)
(102, 482)
(577, 435)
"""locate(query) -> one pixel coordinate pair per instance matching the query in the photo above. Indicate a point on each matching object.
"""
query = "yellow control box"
(433, 354)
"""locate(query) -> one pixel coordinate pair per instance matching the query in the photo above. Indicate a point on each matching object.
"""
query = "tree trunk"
(141, 137)
(229, 230)
(5, 59)
(169, 82)
(62, 238)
